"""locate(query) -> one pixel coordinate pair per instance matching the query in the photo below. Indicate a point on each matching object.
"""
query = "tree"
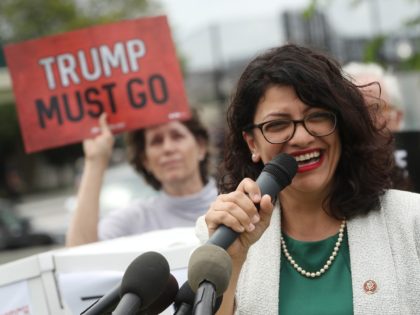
(22, 19)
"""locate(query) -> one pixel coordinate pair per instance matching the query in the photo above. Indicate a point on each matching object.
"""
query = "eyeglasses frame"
(295, 122)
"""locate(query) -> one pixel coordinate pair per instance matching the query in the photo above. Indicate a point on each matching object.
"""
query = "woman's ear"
(249, 139)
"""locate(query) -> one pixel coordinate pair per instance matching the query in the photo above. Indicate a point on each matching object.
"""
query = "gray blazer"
(384, 247)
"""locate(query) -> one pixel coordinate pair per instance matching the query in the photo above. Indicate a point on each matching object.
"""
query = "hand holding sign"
(99, 149)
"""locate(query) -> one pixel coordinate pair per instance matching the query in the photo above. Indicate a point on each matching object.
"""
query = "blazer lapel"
(259, 279)
(373, 272)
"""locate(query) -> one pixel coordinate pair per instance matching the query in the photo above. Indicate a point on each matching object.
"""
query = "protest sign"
(63, 83)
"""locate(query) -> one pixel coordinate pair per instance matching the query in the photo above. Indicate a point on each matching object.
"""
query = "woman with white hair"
(381, 89)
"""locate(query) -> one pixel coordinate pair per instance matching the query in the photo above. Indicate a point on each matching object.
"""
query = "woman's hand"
(99, 149)
(238, 211)
(83, 228)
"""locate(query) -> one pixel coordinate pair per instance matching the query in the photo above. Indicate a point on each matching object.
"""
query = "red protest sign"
(63, 83)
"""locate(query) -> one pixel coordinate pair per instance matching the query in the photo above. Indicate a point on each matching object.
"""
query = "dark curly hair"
(366, 162)
(136, 149)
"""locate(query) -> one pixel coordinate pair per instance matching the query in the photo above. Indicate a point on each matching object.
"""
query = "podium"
(66, 281)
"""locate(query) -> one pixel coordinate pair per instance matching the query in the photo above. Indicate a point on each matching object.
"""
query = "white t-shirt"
(161, 211)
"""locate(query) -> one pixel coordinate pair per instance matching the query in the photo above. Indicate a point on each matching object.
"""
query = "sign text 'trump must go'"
(63, 83)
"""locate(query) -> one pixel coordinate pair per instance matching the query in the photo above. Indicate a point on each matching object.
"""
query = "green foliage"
(310, 9)
(23, 19)
(412, 63)
(2, 58)
(413, 21)
(9, 129)
(372, 50)
(315, 5)
(10, 139)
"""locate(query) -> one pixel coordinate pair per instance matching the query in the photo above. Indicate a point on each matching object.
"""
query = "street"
(47, 214)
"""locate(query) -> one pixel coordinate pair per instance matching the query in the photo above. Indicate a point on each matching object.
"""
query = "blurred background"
(215, 40)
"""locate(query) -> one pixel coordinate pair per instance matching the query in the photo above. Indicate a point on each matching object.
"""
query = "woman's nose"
(168, 144)
(301, 135)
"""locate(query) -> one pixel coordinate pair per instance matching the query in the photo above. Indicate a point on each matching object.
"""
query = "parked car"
(16, 232)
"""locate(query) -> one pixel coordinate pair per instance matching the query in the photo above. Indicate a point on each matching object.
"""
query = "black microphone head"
(146, 277)
(166, 298)
(211, 263)
(185, 295)
(283, 168)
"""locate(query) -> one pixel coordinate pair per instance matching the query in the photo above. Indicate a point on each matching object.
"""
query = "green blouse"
(329, 294)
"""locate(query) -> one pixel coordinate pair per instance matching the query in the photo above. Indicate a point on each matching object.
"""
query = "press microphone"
(209, 271)
(275, 176)
(184, 300)
(144, 280)
(106, 304)
(165, 299)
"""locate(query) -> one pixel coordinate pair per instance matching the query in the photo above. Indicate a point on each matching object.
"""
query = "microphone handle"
(129, 305)
(184, 309)
(104, 304)
(225, 236)
(205, 299)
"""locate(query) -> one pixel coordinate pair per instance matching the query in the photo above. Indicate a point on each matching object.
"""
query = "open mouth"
(306, 159)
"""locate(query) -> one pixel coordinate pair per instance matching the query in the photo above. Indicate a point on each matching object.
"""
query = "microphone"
(165, 299)
(106, 304)
(209, 271)
(204, 268)
(144, 280)
(275, 176)
(184, 300)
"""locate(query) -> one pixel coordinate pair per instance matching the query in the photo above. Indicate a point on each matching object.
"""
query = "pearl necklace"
(327, 265)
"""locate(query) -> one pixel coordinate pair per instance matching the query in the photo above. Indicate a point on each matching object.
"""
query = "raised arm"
(84, 224)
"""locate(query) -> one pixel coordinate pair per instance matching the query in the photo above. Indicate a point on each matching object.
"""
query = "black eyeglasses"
(317, 124)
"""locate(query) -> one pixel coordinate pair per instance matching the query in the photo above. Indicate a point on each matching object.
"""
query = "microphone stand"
(205, 299)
